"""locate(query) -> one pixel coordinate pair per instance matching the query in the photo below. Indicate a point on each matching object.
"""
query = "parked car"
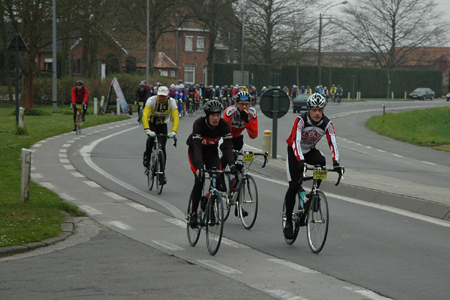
(422, 94)
(300, 102)
(448, 97)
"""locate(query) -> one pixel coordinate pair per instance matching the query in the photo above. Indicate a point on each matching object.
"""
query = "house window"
(173, 74)
(200, 43)
(76, 66)
(48, 64)
(205, 75)
(188, 43)
(189, 74)
(164, 73)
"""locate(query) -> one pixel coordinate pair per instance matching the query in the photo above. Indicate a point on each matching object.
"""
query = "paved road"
(255, 270)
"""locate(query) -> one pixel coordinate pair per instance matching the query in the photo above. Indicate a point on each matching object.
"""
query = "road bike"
(338, 98)
(242, 190)
(78, 119)
(210, 213)
(312, 209)
(191, 109)
(140, 110)
(156, 171)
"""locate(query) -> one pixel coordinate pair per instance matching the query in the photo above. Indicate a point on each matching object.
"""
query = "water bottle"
(302, 194)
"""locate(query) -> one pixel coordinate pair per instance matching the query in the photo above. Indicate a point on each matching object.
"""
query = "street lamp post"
(320, 38)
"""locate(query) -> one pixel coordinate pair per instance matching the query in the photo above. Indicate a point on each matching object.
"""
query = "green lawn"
(41, 217)
(428, 127)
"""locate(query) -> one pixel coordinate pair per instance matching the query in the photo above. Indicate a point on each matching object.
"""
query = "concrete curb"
(67, 226)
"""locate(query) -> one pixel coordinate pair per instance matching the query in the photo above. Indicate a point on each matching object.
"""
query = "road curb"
(67, 226)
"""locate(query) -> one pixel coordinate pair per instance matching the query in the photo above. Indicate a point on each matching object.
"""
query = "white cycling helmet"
(316, 100)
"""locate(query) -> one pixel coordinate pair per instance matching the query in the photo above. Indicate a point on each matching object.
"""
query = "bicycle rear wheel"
(159, 167)
(193, 233)
(317, 222)
(227, 205)
(248, 202)
(214, 223)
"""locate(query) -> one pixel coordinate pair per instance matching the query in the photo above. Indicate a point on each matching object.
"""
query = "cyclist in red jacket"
(80, 95)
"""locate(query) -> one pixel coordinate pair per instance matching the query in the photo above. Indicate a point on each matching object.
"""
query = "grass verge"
(41, 217)
(428, 127)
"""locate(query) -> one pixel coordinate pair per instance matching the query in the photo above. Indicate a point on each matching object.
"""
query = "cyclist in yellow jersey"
(157, 111)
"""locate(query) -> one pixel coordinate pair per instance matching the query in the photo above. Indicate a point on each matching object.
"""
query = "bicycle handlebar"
(266, 155)
(167, 136)
(340, 172)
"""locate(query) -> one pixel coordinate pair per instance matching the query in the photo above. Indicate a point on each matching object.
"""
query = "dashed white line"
(380, 150)
(168, 245)
(64, 161)
(90, 210)
(63, 150)
(397, 155)
(234, 244)
(293, 266)
(69, 167)
(66, 145)
(429, 163)
(67, 197)
(77, 174)
(114, 196)
(36, 145)
(47, 185)
(62, 155)
(284, 295)
(141, 207)
(367, 293)
(92, 184)
(219, 267)
(36, 175)
(176, 222)
(121, 225)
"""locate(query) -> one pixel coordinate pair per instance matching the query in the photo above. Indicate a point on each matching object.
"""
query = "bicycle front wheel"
(214, 222)
(248, 202)
(160, 177)
(317, 222)
(193, 233)
(151, 173)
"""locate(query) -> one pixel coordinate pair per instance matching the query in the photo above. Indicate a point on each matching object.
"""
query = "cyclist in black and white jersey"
(307, 131)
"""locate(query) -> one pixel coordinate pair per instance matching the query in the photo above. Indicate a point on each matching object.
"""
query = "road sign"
(274, 104)
(274, 101)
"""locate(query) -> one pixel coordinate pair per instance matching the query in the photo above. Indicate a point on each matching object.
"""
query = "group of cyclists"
(335, 92)
(222, 127)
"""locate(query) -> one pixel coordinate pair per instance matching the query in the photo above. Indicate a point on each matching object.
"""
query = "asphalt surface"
(91, 261)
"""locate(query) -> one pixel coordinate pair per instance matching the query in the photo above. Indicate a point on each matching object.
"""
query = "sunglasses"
(317, 109)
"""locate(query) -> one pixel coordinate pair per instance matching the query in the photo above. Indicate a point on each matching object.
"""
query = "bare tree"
(269, 23)
(213, 16)
(392, 29)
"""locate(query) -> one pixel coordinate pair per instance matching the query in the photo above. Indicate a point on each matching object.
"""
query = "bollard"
(406, 95)
(348, 98)
(118, 106)
(21, 115)
(101, 101)
(392, 95)
(267, 141)
(25, 180)
(95, 106)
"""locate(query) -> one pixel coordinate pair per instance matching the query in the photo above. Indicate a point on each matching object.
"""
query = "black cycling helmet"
(316, 100)
(79, 82)
(212, 106)
(244, 96)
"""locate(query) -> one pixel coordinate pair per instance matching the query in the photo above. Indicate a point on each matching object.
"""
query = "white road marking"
(70, 142)
(92, 184)
(36, 145)
(85, 152)
(63, 150)
(63, 155)
(219, 267)
(121, 225)
(177, 222)
(429, 163)
(64, 161)
(90, 210)
(69, 167)
(397, 155)
(67, 197)
(77, 174)
(293, 266)
(233, 244)
(141, 207)
(366, 293)
(284, 295)
(168, 245)
(47, 185)
(114, 196)
(36, 175)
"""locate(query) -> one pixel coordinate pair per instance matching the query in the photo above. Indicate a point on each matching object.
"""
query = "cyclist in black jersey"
(203, 150)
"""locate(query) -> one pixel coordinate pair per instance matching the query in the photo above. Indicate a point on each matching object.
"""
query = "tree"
(391, 30)
(269, 23)
(213, 15)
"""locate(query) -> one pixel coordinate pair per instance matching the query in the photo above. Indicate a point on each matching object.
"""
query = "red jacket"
(80, 96)
(233, 117)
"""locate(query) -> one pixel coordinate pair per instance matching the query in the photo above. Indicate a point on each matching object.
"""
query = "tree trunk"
(28, 91)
